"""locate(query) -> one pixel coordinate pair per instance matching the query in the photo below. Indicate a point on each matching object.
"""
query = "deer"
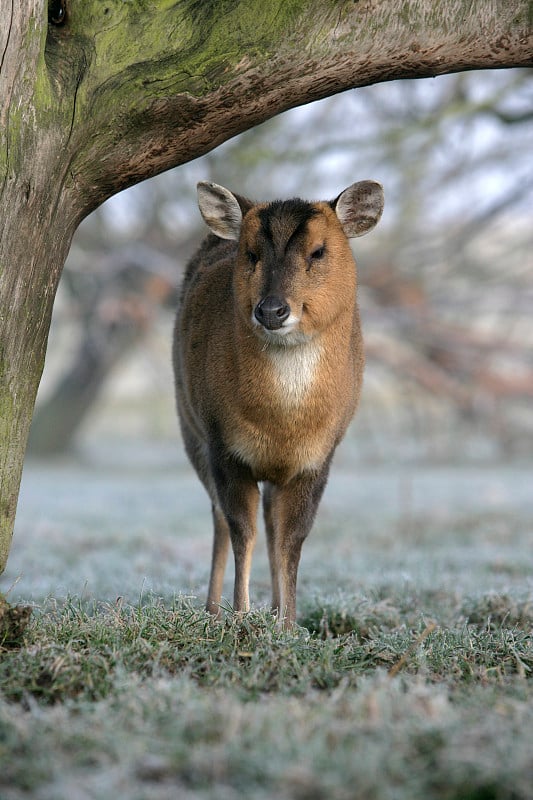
(268, 363)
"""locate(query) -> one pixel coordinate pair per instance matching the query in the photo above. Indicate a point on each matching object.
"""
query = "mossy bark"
(123, 90)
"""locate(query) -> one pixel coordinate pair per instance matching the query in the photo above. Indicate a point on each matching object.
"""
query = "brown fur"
(254, 407)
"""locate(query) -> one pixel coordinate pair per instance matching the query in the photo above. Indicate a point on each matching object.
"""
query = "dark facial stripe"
(282, 222)
(283, 219)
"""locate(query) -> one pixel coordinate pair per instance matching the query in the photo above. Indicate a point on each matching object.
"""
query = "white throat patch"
(294, 370)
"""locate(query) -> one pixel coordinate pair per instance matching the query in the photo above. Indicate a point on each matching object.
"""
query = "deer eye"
(253, 258)
(318, 253)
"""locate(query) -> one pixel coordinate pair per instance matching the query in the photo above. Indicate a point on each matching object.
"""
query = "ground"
(409, 675)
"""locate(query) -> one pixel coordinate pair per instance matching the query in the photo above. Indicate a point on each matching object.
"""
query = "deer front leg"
(289, 514)
(238, 497)
(221, 540)
(268, 491)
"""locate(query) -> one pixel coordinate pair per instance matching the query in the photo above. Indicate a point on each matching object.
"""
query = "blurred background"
(446, 289)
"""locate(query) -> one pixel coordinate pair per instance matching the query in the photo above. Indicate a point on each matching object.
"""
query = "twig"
(410, 650)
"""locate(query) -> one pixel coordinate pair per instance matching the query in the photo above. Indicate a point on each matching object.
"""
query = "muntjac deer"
(268, 361)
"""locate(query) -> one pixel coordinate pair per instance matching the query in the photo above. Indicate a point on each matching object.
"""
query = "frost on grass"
(168, 737)
(127, 693)
(74, 651)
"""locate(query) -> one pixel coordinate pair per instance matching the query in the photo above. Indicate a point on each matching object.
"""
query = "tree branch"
(157, 89)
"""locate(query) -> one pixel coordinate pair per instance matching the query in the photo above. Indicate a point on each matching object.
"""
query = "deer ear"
(359, 207)
(220, 209)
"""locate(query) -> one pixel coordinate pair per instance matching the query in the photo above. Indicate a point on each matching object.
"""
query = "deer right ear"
(220, 209)
(359, 207)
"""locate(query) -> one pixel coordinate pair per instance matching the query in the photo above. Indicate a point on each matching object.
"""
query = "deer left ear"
(359, 207)
(220, 209)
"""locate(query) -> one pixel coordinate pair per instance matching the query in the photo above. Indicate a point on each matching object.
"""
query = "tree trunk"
(96, 96)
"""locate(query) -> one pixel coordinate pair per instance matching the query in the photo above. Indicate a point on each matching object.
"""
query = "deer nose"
(271, 312)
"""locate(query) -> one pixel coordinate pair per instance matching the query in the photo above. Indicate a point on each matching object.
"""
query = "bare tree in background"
(447, 293)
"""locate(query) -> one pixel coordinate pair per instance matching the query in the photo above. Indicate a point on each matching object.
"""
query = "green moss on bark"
(188, 43)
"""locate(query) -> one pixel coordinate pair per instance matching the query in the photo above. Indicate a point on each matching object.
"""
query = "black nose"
(271, 312)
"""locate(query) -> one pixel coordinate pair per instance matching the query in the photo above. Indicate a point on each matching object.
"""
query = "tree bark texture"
(120, 91)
